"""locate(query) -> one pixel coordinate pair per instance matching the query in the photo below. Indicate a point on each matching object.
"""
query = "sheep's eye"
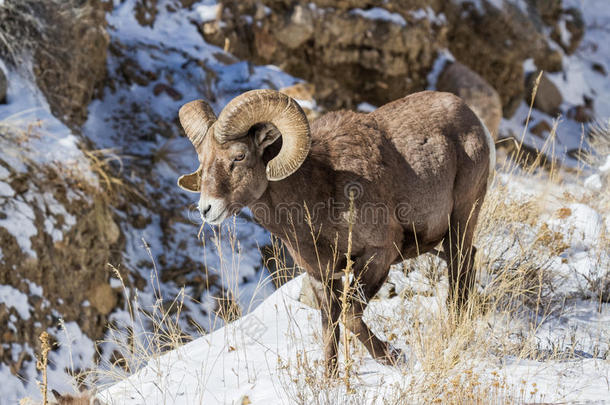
(239, 157)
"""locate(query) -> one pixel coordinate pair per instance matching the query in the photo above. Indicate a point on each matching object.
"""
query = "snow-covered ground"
(552, 355)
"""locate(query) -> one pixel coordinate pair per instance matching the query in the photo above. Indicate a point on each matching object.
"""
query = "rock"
(581, 113)
(303, 93)
(170, 91)
(548, 11)
(375, 51)
(548, 97)
(541, 129)
(599, 68)
(472, 88)
(551, 62)
(58, 255)
(146, 12)
(298, 29)
(102, 297)
(3, 87)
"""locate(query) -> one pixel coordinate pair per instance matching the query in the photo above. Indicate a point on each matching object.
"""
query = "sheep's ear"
(265, 135)
(191, 182)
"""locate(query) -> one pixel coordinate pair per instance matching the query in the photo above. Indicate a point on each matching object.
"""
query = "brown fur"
(422, 160)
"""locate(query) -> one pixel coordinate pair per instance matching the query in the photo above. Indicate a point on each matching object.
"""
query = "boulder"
(70, 62)
(548, 97)
(483, 99)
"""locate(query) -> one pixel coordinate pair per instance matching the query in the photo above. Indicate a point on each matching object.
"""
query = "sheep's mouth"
(219, 218)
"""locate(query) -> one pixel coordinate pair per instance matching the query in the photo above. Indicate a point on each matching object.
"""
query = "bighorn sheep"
(417, 170)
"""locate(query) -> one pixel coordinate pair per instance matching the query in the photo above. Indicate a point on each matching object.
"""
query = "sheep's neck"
(292, 196)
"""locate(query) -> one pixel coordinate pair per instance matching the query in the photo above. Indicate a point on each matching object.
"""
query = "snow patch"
(207, 12)
(366, 107)
(20, 223)
(6, 190)
(13, 298)
(442, 59)
(429, 14)
(581, 229)
(378, 13)
(605, 168)
(593, 182)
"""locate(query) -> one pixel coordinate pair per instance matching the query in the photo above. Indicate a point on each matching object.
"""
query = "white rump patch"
(492, 153)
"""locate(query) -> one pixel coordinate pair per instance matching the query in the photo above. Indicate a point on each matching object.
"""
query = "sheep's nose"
(205, 210)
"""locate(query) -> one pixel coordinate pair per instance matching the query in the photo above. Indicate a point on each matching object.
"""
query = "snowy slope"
(580, 78)
(272, 355)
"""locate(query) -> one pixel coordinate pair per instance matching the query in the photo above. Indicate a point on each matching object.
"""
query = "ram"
(416, 170)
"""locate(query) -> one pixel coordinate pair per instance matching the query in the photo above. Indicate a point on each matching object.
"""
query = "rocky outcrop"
(349, 54)
(57, 235)
(376, 51)
(495, 42)
(68, 43)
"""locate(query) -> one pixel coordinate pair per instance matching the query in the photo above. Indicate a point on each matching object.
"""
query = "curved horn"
(196, 118)
(269, 106)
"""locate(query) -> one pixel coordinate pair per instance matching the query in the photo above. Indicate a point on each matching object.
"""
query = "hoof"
(396, 357)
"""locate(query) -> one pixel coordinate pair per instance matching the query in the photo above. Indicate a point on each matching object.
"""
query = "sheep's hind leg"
(460, 253)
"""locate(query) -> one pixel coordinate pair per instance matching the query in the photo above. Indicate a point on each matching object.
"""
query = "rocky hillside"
(90, 217)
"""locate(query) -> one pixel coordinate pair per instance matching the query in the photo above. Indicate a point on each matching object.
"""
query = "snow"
(13, 298)
(581, 229)
(577, 80)
(366, 107)
(20, 223)
(429, 14)
(48, 140)
(207, 12)
(255, 357)
(6, 190)
(4, 173)
(441, 61)
(594, 182)
(605, 168)
(378, 13)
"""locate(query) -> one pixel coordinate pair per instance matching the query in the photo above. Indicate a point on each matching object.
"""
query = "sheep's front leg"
(370, 272)
(330, 309)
